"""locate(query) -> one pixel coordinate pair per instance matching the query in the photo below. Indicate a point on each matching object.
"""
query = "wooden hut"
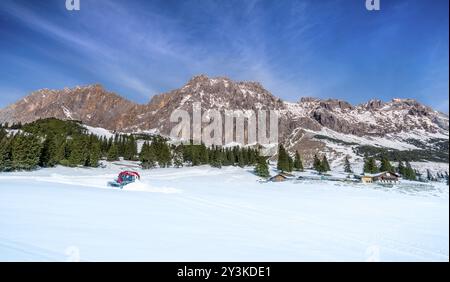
(382, 178)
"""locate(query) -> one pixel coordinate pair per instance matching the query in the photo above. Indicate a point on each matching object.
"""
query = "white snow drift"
(206, 214)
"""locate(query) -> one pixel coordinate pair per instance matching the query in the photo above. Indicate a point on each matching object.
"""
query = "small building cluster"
(381, 178)
(388, 178)
(281, 177)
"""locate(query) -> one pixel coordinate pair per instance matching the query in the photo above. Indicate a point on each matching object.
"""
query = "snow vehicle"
(124, 178)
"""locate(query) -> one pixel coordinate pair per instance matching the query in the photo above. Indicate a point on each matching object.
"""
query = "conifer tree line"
(157, 152)
(51, 142)
(286, 163)
(404, 168)
(321, 165)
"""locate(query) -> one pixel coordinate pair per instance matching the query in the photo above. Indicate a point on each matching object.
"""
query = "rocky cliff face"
(213, 93)
(92, 105)
(374, 118)
(95, 106)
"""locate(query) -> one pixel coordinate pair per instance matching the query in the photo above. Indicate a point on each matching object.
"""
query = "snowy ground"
(207, 214)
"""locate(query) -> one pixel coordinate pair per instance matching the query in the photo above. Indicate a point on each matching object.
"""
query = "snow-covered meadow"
(208, 214)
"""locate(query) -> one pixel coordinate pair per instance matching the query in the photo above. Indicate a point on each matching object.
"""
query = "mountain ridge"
(299, 122)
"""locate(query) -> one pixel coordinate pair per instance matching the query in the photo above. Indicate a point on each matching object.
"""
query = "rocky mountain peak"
(403, 101)
(308, 99)
(221, 92)
(327, 104)
(373, 104)
(95, 106)
(333, 104)
(198, 79)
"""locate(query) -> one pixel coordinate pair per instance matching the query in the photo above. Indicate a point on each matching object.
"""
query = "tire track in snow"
(36, 253)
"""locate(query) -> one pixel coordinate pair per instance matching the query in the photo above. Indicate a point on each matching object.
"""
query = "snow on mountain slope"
(401, 124)
(207, 214)
(98, 131)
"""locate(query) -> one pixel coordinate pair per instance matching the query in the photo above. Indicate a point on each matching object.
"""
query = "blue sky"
(137, 48)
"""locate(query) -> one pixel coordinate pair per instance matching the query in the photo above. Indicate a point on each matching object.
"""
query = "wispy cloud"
(134, 43)
(294, 48)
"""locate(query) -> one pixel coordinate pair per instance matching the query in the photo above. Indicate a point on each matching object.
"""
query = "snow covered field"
(207, 214)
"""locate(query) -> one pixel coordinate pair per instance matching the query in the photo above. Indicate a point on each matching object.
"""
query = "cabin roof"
(279, 175)
(380, 174)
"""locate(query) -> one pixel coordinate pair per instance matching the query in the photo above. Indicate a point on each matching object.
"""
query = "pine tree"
(370, 165)
(385, 165)
(245, 156)
(203, 154)
(261, 168)
(104, 146)
(224, 157)
(113, 153)
(219, 157)
(298, 163)
(147, 156)
(241, 161)
(61, 153)
(3, 134)
(129, 148)
(48, 156)
(231, 157)
(195, 155)
(283, 159)
(164, 156)
(251, 157)
(110, 143)
(94, 154)
(216, 157)
(410, 174)
(178, 156)
(401, 169)
(78, 151)
(317, 164)
(325, 164)
(5, 155)
(26, 151)
(347, 166)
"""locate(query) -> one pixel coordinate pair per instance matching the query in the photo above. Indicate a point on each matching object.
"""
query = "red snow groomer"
(124, 178)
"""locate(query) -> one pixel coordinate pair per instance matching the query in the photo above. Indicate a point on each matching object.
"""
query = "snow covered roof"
(381, 174)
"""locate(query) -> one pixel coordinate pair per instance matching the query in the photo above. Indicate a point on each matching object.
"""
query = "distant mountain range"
(309, 125)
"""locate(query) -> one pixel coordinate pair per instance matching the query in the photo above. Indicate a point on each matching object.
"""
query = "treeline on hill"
(434, 150)
(439, 153)
(321, 165)
(157, 152)
(288, 164)
(50, 142)
(403, 168)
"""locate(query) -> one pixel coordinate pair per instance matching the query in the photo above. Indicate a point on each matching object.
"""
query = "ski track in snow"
(208, 214)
